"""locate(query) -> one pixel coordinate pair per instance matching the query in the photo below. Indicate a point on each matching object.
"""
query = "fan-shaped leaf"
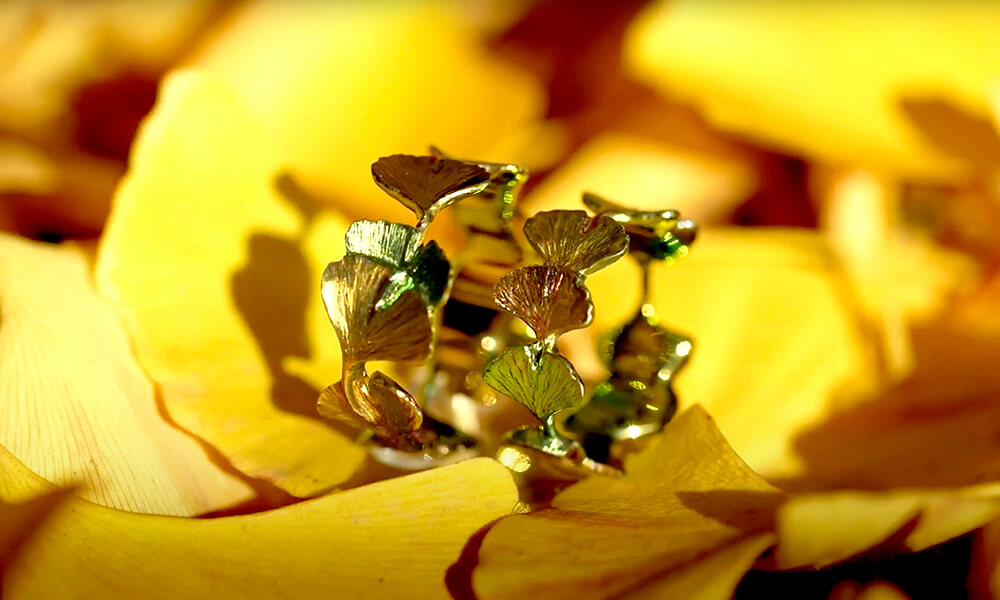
(379, 403)
(574, 240)
(543, 381)
(655, 234)
(427, 184)
(390, 243)
(551, 300)
(399, 331)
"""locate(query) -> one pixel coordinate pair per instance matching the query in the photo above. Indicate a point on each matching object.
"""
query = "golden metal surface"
(576, 241)
(428, 184)
(550, 300)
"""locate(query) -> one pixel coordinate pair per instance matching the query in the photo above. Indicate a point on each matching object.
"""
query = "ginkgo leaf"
(704, 183)
(381, 405)
(543, 381)
(19, 519)
(428, 272)
(573, 240)
(218, 320)
(313, 73)
(390, 243)
(777, 340)
(424, 268)
(662, 234)
(801, 78)
(713, 577)
(352, 290)
(427, 184)
(550, 300)
(685, 495)
(390, 539)
(75, 405)
(817, 530)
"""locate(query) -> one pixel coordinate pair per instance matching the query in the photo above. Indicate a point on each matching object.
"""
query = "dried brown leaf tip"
(428, 184)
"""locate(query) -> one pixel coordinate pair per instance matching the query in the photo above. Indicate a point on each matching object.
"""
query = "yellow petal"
(75, 406)
(649, 176)
(686, 495)
(803, 78)
(217, 278)
(392, 539)
(817, 530)
(775, 338)
(341, 84)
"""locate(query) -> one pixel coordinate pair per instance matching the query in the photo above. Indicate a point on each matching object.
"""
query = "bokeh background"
(872, 128)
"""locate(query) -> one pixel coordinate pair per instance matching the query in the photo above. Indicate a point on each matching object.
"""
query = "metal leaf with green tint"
(352, 289)
(390, 243)
(421, 268)
(551, 300)
(542, 381)
(661, 235)
(576, 241)
(427, 184)
(491, 210)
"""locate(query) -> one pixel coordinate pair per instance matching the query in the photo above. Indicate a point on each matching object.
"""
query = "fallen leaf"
(777, 343)
(216, 276)
(74, 404)
(684, 496)
(386, 540)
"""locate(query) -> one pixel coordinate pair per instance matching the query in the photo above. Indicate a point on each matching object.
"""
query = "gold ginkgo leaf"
(351, 289)
(381, 405)
(427, 184)
(576, 241)
(551, 300)
(546, 383)
(391, 243)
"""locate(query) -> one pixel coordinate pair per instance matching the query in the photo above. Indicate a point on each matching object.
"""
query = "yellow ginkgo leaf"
(51, 51)
(76, 407)
(949, 398)
(898, 276)
(387, 540)
(341, 84)
(649, 176)
(713, 577)
(775, 337)
(881, 83)
(216, 275)
(686, 495)
(20, 519)
(816, 530)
